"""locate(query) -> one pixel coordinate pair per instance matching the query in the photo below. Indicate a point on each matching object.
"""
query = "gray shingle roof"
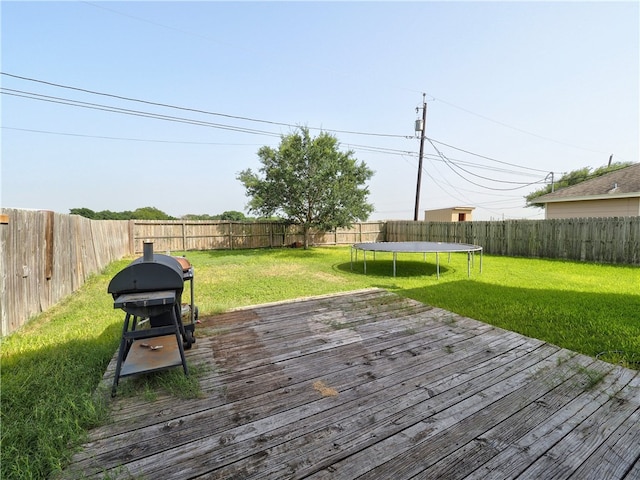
(621, 183)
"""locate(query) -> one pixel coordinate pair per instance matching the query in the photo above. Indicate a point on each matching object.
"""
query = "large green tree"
(310, 182)
(573, 178)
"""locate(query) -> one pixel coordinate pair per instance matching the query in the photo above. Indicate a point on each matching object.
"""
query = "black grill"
(157, 327)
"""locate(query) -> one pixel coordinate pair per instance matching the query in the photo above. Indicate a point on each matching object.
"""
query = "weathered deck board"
(372, 385)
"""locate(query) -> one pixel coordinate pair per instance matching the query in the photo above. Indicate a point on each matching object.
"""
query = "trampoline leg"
(364, 257)
(394, 263)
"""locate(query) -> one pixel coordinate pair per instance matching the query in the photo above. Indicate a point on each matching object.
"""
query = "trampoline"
(417, 247)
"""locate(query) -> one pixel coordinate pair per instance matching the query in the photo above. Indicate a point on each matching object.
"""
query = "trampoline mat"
(416, 247)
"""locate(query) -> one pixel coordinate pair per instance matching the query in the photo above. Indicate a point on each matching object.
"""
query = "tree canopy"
(573, 178)
(144, 213)
(309, 181)
(230, 215)
(152, 213)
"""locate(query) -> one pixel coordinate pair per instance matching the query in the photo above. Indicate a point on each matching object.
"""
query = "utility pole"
(420, 127)
(550, 174)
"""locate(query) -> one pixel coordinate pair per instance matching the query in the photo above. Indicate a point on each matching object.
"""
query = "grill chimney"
(147, 251)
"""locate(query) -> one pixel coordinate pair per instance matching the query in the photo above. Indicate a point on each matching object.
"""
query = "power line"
(374, 149)
(466, 200)
(136, 113)
(486, 158)
(484, 167)
(195, 110)
(108, 108)
(112, 109)
(474, 183)
(388, 151)
(515, 128)
(486, 178)
(129, 139)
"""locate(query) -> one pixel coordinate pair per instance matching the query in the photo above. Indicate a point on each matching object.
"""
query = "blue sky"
(515, 90)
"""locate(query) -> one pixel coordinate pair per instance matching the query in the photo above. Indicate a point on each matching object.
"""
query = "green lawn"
(51, 367)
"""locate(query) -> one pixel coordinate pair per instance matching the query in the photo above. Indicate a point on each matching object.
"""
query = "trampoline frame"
(417, 247)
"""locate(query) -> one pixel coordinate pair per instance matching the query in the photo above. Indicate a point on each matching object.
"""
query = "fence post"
(48, 242)
(184, 236)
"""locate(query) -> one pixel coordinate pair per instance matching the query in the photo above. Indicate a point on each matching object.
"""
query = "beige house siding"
(614, 207)
(454, 214)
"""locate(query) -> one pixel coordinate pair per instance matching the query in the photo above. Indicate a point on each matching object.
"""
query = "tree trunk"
(305, 229)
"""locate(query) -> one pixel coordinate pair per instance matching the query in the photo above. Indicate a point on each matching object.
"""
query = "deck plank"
(568, 454)
(369, 384)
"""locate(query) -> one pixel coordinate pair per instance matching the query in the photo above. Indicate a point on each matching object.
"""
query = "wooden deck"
(370, 385)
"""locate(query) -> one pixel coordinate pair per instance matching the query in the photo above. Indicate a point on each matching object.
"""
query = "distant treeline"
(152, 213)
(145, 213)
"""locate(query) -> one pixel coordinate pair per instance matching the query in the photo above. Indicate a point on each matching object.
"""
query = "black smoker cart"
(157, 327)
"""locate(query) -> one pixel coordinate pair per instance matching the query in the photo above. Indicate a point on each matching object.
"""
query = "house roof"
(450, 208)
(623, 183)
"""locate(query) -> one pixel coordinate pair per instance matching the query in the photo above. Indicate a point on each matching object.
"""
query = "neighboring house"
(615, 194)
(453, 214)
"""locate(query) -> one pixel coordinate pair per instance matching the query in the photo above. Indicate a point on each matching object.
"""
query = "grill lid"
(161, 273)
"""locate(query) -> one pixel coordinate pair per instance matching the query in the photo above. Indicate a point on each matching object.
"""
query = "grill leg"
(179, 333)
(122, 354)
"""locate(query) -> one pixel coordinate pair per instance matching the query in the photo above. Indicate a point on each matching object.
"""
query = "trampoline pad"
(416, 247)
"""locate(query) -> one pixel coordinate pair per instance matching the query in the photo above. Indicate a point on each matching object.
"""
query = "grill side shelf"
(145, 299)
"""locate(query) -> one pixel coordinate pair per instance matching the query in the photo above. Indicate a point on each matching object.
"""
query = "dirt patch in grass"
(328, 277)
(281, 270)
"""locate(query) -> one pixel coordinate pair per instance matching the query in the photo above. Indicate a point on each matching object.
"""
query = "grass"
(169, 382)
(51, 367)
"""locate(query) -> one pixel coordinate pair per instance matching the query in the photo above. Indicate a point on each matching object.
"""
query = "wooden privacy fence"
(601, 240)
(45, 256)
(179, 235)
